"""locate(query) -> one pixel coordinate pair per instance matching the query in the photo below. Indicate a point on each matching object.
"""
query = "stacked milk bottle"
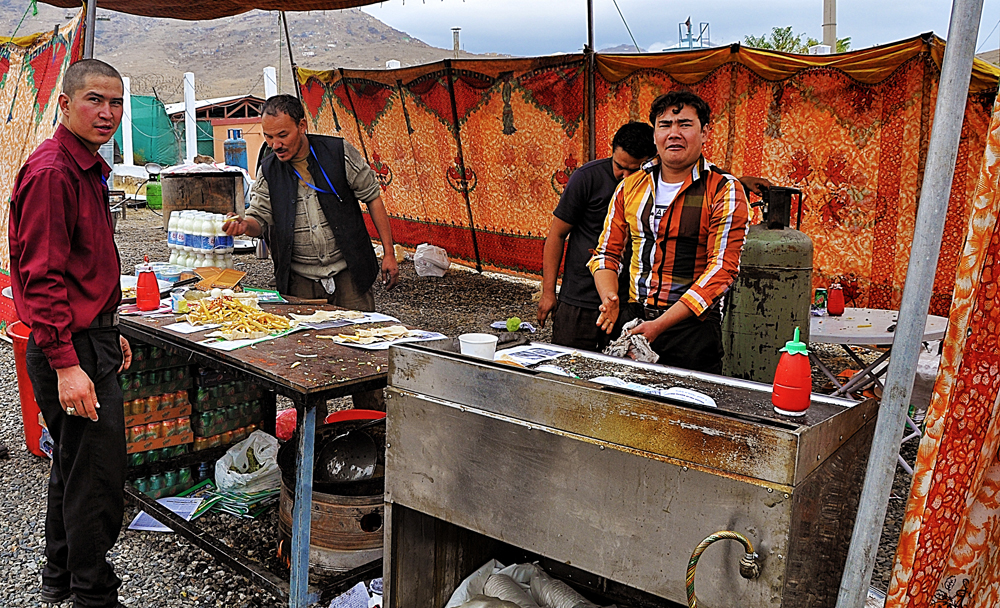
(197, 239)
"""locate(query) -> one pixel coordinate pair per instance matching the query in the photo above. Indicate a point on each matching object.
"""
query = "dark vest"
(344, 215)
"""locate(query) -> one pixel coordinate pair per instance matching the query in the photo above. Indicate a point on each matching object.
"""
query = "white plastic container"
(483, 346)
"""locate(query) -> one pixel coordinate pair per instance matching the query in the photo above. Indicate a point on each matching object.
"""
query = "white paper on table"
(383, 345)
(374, 317)
(133, 309)
(186, 328)
(182, 507)
(327, 324)
(228, 345)
(356, 597)
(675, 392)
(529, 354)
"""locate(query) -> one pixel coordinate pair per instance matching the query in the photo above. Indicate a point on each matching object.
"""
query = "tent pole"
(942, 151)
(291, 58)
(89, 20)
(591, 67)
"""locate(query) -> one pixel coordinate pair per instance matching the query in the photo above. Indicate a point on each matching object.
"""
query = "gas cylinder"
(154, 194)
(771, 296)
(235, 149)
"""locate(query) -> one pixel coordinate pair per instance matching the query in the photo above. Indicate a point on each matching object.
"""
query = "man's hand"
(650, 329)
(126, 354)
(76, 391)
(546, 305)
(390, 269)
(234, 225)
(609, 313)
(755, 184)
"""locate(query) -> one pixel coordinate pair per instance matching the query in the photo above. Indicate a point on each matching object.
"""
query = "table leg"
(826, 371)
(299, 596)
(865, 375)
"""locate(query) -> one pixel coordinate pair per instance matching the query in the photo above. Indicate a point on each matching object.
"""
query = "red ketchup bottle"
(835, 300)
(147, 291)
(793, 379)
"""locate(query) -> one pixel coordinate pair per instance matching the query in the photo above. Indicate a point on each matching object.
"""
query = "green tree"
(784, 40)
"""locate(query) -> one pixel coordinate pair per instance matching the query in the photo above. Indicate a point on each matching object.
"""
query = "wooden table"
(867, 327)
(335, 371)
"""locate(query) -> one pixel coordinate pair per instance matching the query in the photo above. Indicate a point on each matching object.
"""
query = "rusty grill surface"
(742, 437)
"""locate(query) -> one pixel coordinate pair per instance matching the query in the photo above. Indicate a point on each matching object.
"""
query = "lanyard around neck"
(332, 190)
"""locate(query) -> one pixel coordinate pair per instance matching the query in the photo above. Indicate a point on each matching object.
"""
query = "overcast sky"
(539, 27)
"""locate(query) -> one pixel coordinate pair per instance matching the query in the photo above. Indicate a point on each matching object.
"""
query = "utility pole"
(830, 24)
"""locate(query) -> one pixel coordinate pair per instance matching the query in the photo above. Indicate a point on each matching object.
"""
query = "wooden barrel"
(346, 531)
(215, 192)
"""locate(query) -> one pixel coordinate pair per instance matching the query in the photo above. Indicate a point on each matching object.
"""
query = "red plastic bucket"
(19, 333)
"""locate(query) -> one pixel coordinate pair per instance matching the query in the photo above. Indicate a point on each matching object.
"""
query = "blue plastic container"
(236, 149)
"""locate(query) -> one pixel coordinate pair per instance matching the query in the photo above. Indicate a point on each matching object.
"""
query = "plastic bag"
(505, 588)
(430, 261)
(552, 592)
(249, 466)
(285, 424)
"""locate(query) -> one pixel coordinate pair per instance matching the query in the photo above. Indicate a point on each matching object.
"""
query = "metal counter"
(483, 457)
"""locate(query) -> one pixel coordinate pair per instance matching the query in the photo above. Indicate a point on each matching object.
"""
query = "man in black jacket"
(307, 193)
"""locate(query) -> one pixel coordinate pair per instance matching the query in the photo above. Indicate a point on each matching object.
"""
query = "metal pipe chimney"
(830, 24)
(454, 36)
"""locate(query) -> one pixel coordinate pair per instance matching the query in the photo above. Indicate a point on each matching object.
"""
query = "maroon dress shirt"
(64, 264)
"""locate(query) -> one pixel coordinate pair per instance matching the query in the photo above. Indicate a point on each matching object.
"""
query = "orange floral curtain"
(31, 70)
(849, 130)
(948, 552)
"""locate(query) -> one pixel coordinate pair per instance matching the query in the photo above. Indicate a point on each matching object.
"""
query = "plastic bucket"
(19, 333)
(483, 346)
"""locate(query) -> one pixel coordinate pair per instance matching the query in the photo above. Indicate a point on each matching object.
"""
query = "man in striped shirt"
(686, 220)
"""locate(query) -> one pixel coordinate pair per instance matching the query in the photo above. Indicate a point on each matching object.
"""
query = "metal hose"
(749, 564)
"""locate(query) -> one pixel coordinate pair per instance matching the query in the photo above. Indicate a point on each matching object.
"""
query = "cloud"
(533, 27)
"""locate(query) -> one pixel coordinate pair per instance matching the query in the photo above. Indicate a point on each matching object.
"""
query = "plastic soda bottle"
(792, 387)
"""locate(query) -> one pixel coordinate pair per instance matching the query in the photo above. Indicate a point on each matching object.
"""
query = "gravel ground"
(162, 570)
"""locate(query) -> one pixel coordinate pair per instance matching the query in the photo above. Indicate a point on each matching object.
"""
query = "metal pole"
(591, 64)
(830, 24)
(942, 151)
(90, 19)
(291, 58)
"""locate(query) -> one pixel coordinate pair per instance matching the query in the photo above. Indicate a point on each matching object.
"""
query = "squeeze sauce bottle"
(793, 379)
(147, 290)
(835, 300)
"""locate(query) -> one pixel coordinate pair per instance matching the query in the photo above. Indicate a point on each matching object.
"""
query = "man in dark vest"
(307, 193)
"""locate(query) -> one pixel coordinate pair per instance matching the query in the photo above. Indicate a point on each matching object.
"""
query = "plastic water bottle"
(184, 239)
(172, 237)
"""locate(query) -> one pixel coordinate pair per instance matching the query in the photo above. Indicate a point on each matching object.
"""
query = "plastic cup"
(483, 346)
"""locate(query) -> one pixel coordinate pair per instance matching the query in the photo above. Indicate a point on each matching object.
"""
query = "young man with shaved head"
(64, 267)
(686, 220)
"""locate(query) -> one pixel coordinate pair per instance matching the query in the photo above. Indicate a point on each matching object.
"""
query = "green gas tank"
(154, 195)
(771, 294)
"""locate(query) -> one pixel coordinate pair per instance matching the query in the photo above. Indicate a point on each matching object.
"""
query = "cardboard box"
(160, 442)
(158, 415)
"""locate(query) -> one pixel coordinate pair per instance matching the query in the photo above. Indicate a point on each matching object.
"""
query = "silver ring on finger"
(71, 411)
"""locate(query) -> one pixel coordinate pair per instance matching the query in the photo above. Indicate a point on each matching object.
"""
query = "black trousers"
(694, 343)
(86, 499)
(577, 328)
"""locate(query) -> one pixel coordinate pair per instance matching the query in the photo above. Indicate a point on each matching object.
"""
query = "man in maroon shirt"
(64, 268)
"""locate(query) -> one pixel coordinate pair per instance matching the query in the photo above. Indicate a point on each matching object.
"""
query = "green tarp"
(156, 139)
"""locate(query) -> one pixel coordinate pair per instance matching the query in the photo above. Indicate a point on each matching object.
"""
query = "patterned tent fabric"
(488, 144)
(210, 9)
(850, 131)
(31, 72)
(947, 555)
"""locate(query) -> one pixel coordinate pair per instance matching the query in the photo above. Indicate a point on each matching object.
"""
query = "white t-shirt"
(665, 194)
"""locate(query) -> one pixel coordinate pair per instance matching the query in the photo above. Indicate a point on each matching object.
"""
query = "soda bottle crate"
(214, 422)
(143, 384)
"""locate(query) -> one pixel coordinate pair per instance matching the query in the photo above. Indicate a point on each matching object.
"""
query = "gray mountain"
(228, 55)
